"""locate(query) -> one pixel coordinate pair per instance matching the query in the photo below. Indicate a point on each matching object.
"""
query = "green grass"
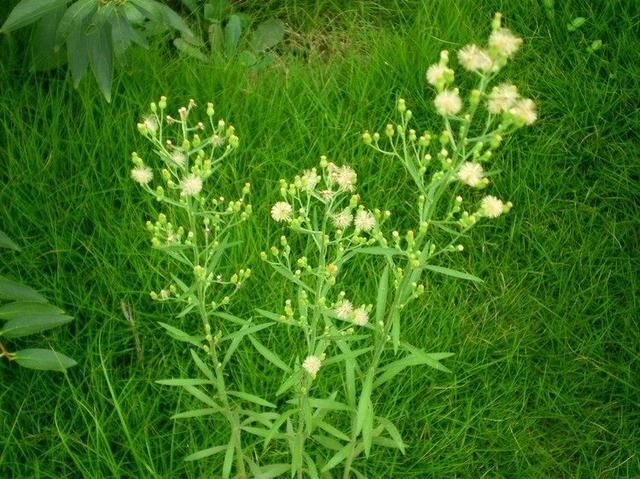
(545, 376)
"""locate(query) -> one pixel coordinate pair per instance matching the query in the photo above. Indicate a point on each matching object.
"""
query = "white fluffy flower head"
(504, 42)
(281, 211)
(191, 185)
(470, 173)
(364, 221)
(343, 176)
(491, 206)
(344, 309)
(150, 123)
(343, 219)
(502, 97)
(311, 365)
(437, 74)
(179, 158)
(360, 316)
(142, 174)
(473, 58)
(525, 111)
(448, 102)
(310, 179)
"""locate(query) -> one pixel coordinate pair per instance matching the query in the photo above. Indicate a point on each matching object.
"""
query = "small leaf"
(453, 273)
(43, 359)
(332, 430)
(251, 398)
(290, 276)
(28, 11)
(198, 394)
(232, 31)
(383, 291)
(272, 470)
(576, 23)
(15, 291)
(267, 35)
(247, 58)
(32, 324)
(393, 432)
(205, 453)
(179, 335)
(276, 425)
(6, 242)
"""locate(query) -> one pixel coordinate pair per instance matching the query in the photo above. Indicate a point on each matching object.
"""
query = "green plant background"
(545, 377)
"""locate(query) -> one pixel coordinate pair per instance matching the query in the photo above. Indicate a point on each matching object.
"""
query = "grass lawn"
(545, 378)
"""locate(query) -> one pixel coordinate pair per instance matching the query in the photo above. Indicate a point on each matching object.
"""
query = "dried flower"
(281, 211)
(310, 179)
(343, 176)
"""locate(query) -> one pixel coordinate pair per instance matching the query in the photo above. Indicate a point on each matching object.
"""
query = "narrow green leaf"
(320, 403)
(383, 291)
(77, 54)
(346, 356)
(272, 470)
(414, 359)
(174, 20)
(453, 273)
(269, 355)
(196, 413)
(179, 335)
(28, 11)
(32, 324)
(74, 17)
(251, 398)
(276, 426)
(205, 453)
(332, 430)
(13, 290)
(290, 276)
(288, 383)
(26, 308)
(364, 404)
(268, 314)
(337, 458)
(198, 394)
(6, 242)
(203, 367)
(183, 382)
(312, 470)
(393, 432)
(228, 460)
(43, 359)
(367, 428)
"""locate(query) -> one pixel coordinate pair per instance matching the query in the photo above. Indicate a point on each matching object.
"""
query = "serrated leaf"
(205, 453)
(20, 308)
(267, 35)
(232, 32)
(6, 242)
(190, 50)
(251, 398)
(32, 324)
(13, 290)
(28, 11)
(453, 273)
(269, 355)
(179, 335)
(43, 359)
